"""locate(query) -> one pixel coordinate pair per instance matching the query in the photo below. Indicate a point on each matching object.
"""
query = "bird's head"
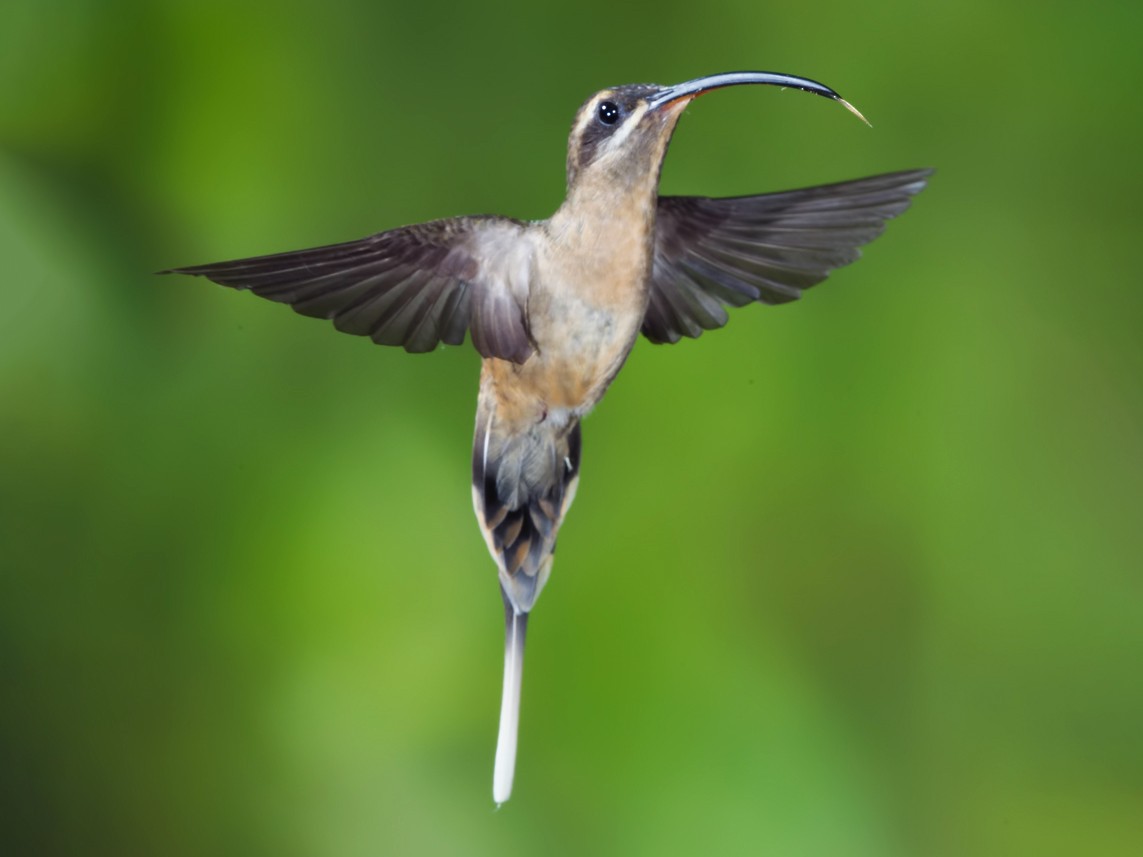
(620, 135)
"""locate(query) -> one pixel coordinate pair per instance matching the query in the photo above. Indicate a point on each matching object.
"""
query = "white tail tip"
(505, 769)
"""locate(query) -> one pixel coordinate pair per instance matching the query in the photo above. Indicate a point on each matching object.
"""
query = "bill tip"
(853, 110)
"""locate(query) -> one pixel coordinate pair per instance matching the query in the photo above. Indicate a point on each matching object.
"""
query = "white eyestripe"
(615, 141)
(589, 113)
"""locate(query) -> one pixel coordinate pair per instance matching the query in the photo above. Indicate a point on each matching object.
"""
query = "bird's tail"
(515, 629)
(523, 481)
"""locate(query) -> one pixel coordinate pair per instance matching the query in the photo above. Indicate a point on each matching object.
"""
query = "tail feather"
(515, 629)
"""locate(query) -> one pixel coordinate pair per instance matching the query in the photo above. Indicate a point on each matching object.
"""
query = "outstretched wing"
(713, 253)
(414, 287)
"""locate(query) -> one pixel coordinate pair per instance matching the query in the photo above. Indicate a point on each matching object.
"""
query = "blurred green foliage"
(855, 576)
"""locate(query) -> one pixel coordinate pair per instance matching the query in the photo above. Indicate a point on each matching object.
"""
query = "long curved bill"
(696, 87)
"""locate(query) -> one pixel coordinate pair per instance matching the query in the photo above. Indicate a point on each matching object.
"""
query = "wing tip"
(918, 179)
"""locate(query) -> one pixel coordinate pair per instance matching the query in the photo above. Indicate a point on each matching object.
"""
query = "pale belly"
(580, 348)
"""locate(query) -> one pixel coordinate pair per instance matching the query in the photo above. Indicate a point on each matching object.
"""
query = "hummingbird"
(555, 306)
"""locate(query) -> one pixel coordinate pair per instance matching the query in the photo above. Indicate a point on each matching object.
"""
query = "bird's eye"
(608, 113)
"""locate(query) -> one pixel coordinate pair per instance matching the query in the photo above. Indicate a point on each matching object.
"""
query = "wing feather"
(412, 287)
(711, 253)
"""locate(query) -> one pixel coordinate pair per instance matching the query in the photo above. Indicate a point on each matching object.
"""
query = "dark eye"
(608, 113)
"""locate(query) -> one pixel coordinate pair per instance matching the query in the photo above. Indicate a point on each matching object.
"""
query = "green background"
(858, 575)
